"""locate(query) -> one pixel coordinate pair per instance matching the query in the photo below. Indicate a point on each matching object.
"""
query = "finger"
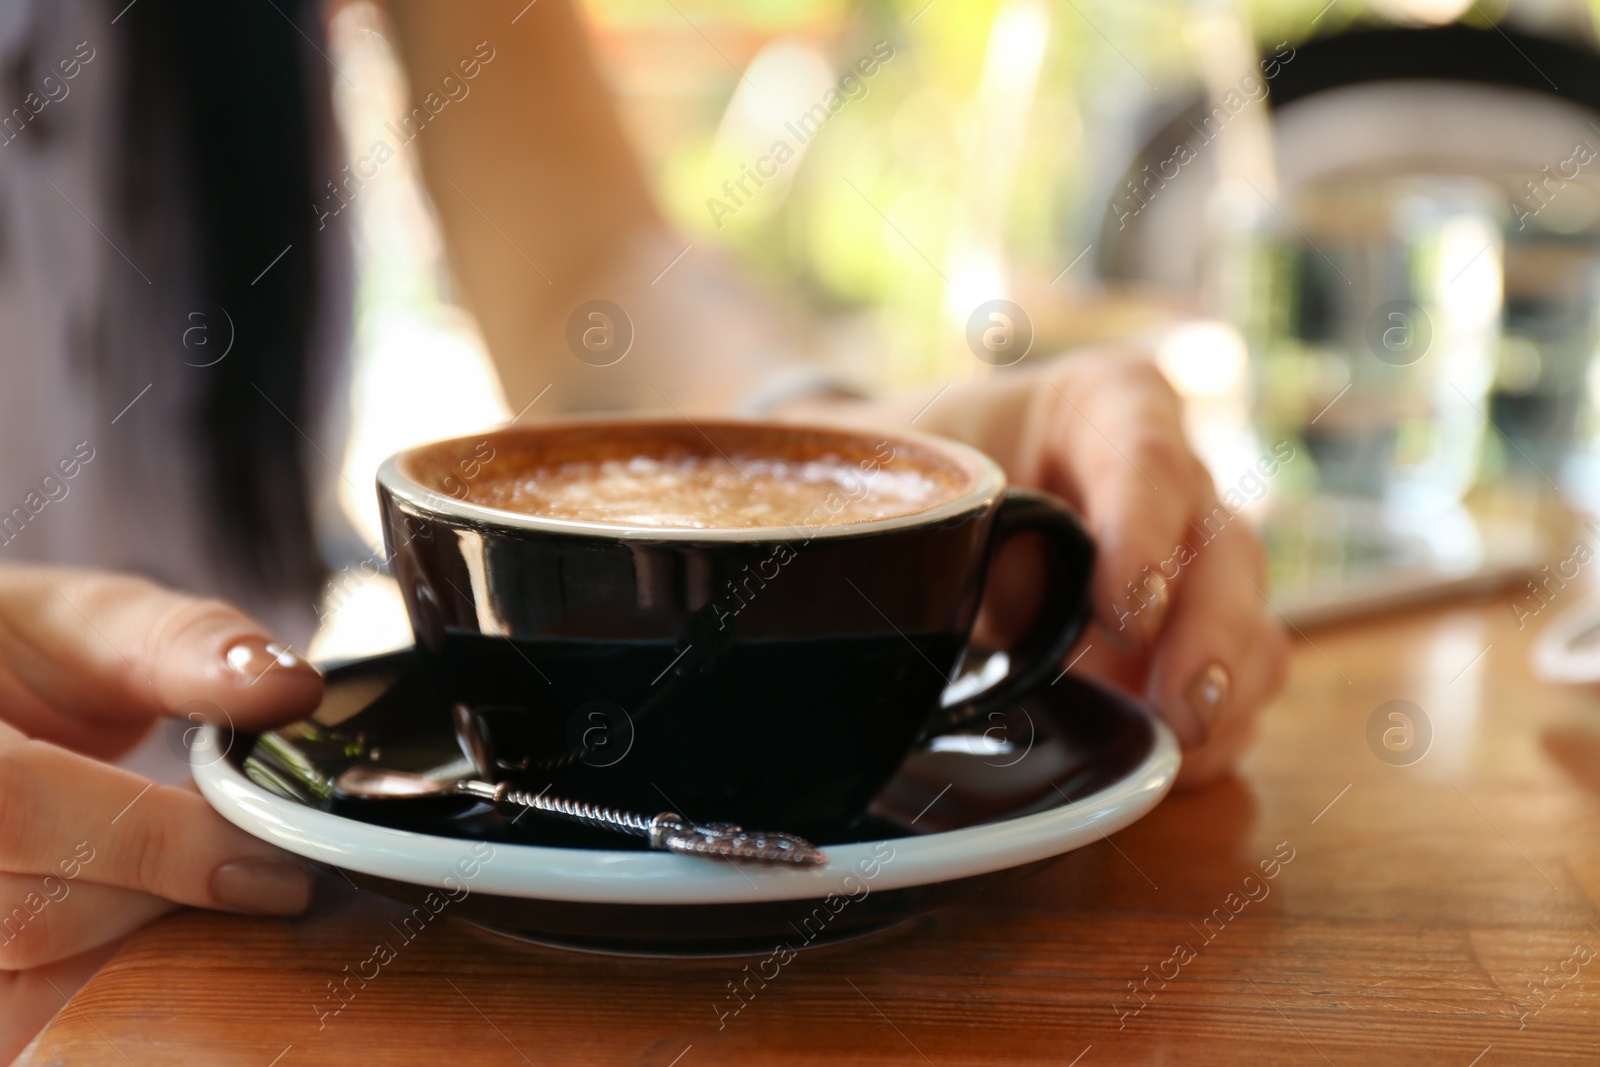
(91, 658)
(1099, 658)
(1117, 441)
(53, 918)
(1225, 744)
(67, 815)
(1235, 729)
(1220, 655)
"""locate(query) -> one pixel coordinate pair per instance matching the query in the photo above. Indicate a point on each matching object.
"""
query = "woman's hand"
(1180, 616)
(89, 662)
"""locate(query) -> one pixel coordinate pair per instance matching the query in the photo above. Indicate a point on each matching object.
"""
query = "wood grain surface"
(1438, 913)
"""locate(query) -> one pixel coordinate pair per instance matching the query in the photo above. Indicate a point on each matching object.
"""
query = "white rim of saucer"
(539, 872)
(990, 483)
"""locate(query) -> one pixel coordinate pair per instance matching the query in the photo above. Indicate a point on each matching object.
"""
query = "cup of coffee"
(739, 621)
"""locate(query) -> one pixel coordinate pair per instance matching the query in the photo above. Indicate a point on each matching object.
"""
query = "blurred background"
(1361, 236)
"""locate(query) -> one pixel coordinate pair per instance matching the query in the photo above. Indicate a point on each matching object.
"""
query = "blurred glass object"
(1541, 394)
(1372, 311)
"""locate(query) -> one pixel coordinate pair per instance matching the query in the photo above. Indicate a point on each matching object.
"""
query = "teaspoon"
(667, 832)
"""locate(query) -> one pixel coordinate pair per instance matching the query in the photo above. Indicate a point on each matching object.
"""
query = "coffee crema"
(713, 493)
(711, 476)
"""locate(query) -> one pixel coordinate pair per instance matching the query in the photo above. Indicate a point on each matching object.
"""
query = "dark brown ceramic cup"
(769, 675)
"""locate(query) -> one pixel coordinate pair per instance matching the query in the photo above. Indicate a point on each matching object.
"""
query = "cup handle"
(1063, 610)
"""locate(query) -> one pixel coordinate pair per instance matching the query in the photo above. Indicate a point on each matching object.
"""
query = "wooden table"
(1420, 903)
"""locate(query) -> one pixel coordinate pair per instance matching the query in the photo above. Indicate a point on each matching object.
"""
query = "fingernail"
(1140, 612)
(1207, 693)
(253, 657)
(1155, 609)
(263, 886)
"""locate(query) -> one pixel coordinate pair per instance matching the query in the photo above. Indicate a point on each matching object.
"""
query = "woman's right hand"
(89, 663)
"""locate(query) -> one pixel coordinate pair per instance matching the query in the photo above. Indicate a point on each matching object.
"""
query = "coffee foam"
(719, 476)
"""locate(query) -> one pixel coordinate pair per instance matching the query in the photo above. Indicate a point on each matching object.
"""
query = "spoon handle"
(667, 832)
(575, 810)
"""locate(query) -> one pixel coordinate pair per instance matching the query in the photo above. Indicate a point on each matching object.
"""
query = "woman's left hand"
(1178, 592)
(1179, 587)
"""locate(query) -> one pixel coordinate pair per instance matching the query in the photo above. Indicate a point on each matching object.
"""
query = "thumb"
(90, 659)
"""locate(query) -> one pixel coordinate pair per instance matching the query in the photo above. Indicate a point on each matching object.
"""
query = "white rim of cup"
(542, 872)
(989, 484)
